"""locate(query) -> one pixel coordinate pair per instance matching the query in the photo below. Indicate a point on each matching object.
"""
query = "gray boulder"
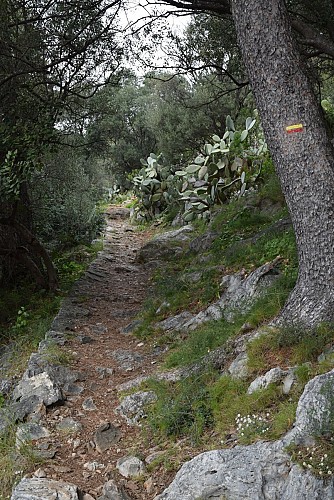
(46, 489)
(238, 295)
(132, 407)
(263, 471)
(69, 426)
(106, 436)
(203, 242)
(111, 491)
(314, 413)
(127, 360)
(166, 245)
(40, 386)
(286, 377)
(30, 431)
(130, 467)
(272, 376)
(239, 366)
(175, 322)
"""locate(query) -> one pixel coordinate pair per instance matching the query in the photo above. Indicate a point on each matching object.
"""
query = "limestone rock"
(87, 496)
(55, 337)
(315, 407)
(131, 327)
(44, 381)
(130, 467)
(127, 360)
(41, 386)
(288, 382)
(175, 322)
(104, 372)
(261, 471)
(93, 466)
(28, 432)
(68, 314)
(203, 242)
(238, 368)
(89, 404)
(69, 425)
(262, 382)
(99, 328)
(111, 491)
(166, 245)
(106, 436)
(40, 473)
(46, 489)
(132, 407)
(85, 339)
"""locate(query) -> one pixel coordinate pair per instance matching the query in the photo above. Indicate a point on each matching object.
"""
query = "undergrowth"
(208, 407)
(288, 346)
(14, 463)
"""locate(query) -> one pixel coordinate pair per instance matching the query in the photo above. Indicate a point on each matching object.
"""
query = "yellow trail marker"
(294, 128)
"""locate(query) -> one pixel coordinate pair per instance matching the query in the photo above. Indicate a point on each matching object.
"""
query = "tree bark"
(304, 160)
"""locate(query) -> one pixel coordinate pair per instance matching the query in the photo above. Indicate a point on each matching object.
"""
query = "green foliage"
(13, 173)
(201, 341)
(207, 400)
(14, 464)
(22, 319)
(26, 314)
(317, 459)
(252, 426)
(264, 249)
(155, 187)
(67, 192)
(224, 168)
(271, 187)
(56, 355)
(289, 345)
(182, 408)
(71, 264)
(268, 305)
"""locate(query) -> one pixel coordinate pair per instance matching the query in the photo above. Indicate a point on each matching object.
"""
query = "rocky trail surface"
(85, 436)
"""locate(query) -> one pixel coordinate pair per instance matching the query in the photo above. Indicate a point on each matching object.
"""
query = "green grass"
(289, 346)
(56, 355)
(209, 401)
(265, 249)
(213, 334)
(200, 342)
(14, 464)
(317, 459)
(182, 408)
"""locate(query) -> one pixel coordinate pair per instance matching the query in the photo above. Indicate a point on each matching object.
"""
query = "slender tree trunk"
(304, 160)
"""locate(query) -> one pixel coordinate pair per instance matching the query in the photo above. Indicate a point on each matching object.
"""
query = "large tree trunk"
(304, 160)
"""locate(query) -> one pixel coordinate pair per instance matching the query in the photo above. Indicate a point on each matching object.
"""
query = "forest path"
(112, 292)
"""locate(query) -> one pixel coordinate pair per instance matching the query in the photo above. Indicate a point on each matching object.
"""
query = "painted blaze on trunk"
(303, 154)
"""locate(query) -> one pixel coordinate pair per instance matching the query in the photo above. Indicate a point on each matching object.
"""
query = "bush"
(65, 201)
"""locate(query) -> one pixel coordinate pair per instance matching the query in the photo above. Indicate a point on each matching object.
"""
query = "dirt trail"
(112, 292)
